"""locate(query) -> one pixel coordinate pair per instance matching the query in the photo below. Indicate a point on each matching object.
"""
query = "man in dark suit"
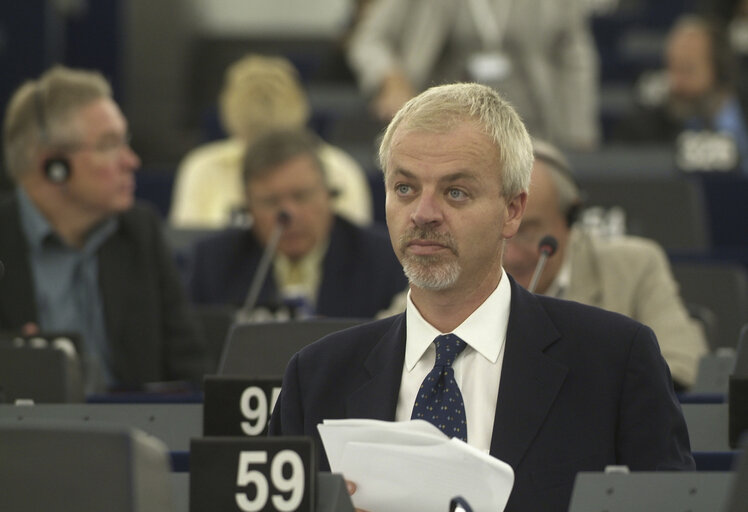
(548, 386)
(80, 256)
(324, 265)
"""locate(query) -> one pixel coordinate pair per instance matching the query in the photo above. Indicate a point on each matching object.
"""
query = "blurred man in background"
(625, 274)
(260, 94)
(324, 266)
(80, 255)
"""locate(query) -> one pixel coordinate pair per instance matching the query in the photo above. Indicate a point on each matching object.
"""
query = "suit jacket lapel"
(377, 397)
(17, 300)
(530, 380)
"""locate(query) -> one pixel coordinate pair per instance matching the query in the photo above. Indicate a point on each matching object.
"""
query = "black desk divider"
(44, 368)
(69, 467)
(254, 474)
(237, 405)
(662, 491)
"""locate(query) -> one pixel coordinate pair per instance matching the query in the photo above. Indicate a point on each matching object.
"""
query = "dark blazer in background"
(581, 388)
(152, 336)
(360, 273)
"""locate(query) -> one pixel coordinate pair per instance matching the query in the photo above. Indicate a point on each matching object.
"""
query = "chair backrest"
(649, 208)
(65, 467)
(699, 491)
(264, 349)
(44, 368)
(738, 495)
(741, 356)
(216, 321)
(723, 288)
(713, 373)
(707, 426)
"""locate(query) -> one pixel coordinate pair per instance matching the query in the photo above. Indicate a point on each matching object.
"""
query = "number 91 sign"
(252, 474)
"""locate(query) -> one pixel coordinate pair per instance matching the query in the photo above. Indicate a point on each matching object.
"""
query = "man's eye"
(455, 193)
(402, 189)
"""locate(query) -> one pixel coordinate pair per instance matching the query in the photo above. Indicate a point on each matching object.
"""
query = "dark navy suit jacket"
(360, 273)
(581, 388)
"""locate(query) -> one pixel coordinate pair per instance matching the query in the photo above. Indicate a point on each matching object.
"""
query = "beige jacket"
(554, 83)
(632, 276)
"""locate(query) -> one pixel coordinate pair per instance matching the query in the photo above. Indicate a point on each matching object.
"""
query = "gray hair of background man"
(561, 173)
(38, 114)
(276, 147)
(440, 109)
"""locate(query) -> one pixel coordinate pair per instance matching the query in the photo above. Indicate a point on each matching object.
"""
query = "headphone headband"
(56, 168)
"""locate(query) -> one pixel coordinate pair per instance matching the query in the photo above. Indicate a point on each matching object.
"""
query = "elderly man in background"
(324, 266)
(625, 274)
(80, 255)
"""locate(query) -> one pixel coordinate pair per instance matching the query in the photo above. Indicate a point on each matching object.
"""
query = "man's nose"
(428, 210)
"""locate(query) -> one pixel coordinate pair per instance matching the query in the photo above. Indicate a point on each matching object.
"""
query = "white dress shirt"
(477, 369)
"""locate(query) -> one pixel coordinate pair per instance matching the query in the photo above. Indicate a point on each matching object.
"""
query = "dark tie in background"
(439, 400)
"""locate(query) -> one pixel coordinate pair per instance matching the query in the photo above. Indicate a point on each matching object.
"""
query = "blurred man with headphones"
(625, 274)
(80, 255)
(694, 103)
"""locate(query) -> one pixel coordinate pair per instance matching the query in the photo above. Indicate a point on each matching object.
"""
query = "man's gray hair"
(441, 108)
(561, 174)
(38, 113)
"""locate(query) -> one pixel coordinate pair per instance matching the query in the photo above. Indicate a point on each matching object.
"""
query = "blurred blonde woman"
(260, 93)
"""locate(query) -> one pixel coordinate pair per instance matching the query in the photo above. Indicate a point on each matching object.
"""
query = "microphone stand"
(547, 247)
(244, 314)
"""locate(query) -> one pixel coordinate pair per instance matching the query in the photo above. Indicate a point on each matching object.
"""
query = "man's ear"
(514, 210)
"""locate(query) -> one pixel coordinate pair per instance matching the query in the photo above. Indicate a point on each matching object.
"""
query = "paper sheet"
(409, 466)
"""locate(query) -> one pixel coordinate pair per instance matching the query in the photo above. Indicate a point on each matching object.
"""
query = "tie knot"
(448, 347)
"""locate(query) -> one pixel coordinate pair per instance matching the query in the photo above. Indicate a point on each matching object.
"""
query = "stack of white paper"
(412, 466)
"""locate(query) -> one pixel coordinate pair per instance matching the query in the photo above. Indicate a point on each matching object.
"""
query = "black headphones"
(56, 168)
(546, 152)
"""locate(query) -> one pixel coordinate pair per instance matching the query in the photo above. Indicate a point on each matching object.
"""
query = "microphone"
(547, 248)
(263, 268)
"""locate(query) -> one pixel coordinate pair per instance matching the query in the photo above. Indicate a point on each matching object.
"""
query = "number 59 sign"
(252, 474)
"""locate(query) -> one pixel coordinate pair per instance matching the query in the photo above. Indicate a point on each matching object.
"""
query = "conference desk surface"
(174, 424)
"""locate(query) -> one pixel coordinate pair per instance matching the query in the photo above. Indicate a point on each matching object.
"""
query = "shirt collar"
(484, 330)
(37, 229)
(33, 223)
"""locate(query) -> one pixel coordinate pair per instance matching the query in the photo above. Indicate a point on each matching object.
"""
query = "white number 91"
(294, 484)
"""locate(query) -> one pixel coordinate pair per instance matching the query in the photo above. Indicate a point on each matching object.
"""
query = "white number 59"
(293, 484)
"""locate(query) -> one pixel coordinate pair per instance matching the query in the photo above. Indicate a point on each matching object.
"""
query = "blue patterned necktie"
(439, 400)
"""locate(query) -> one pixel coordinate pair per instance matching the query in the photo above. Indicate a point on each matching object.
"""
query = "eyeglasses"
(107, 144)
(299, 197)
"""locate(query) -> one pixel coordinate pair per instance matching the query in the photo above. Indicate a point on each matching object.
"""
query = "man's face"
(445, 212)
(102, 181)
(298, 188)
(542, 217)
(690, 69)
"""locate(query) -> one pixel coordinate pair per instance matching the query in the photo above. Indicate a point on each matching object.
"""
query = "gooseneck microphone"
(547, 248)
(263, 268)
